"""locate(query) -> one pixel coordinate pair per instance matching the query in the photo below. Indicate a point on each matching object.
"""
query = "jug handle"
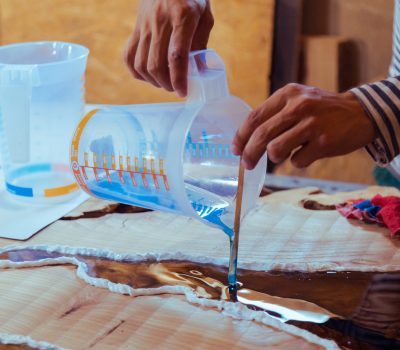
(16, 83)
(207, 78)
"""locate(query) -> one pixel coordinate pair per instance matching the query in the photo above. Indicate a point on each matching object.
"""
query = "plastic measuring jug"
(41, 102)
(174, 156)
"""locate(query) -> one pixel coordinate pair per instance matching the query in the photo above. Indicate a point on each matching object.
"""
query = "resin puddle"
(339, 306)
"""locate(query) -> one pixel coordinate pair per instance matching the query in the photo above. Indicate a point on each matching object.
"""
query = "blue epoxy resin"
(232, 263)
(232, 271)
(219, 213)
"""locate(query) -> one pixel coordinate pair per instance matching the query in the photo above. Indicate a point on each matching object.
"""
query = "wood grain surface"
(51, 304)
(271, 234)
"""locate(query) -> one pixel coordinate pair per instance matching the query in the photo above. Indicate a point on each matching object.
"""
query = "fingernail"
(181, 93)
(235, 150)
(245, 164)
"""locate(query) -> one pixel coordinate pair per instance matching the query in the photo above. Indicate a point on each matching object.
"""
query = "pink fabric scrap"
(388, 214)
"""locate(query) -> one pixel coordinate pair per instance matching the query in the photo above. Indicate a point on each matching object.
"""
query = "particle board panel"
(242, 36)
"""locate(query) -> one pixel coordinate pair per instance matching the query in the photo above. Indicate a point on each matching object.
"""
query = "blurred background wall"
(368, 23)
(314, 30)
(242, 36)
(343, 43)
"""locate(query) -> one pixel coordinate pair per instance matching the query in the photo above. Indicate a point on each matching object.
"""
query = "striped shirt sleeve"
(381, 102)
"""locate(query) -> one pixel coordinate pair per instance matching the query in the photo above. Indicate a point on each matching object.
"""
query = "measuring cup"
(172, 157)
(41, 102)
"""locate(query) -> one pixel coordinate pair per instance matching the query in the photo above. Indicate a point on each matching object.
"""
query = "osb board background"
(242, 36)
(52, 304)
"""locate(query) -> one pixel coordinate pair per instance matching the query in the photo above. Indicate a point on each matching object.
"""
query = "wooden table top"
(279, 233)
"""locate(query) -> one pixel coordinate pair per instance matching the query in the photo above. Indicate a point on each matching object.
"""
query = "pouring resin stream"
(172, 157)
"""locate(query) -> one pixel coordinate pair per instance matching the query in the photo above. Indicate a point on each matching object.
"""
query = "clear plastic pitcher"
(173, 157)
(41, 103)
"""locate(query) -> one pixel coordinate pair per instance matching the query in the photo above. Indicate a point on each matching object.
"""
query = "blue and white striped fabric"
(381, 101)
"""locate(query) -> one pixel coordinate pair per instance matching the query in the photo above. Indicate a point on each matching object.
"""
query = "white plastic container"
(41, 102)
(174, 156)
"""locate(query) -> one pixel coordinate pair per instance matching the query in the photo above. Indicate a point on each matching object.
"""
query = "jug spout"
(206, 77)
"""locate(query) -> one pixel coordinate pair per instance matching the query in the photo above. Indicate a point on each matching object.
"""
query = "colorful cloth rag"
(380, 210)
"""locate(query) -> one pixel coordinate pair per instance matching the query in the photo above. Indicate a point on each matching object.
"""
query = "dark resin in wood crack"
(314, 205)
(362, 308)
(117, 208)
(15, 347)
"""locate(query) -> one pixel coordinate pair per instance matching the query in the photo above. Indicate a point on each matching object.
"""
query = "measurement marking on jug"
(227, 152)
(121, 162)
(86, 157)
(132, 175)
(205, 149)
(144, 180)
(121, 168)
(136, 165)
(153, 173)
(205, 139)
(95, 166)
(129, 169)
(105, 168)
(161, 166)
(148, 170)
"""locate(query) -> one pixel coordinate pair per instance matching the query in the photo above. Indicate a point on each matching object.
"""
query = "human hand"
(305, 123)
(166, 31)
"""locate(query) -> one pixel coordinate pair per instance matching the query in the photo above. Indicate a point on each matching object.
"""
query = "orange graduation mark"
(121, 169)
(144, 166)
(86, 159)
(95, 165)
(105, 167)
(162, 173)
(153, 173)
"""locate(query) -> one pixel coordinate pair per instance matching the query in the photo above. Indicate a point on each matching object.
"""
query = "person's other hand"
(166, 31)
(304, 123)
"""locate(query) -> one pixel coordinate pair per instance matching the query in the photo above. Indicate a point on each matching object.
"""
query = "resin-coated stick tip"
(234, 241)
(233, 292)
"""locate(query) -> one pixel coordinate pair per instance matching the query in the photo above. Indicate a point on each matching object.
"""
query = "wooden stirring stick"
(236, 230)
(238, 208)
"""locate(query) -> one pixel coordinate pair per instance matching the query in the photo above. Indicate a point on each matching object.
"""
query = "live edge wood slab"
(51, 304)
